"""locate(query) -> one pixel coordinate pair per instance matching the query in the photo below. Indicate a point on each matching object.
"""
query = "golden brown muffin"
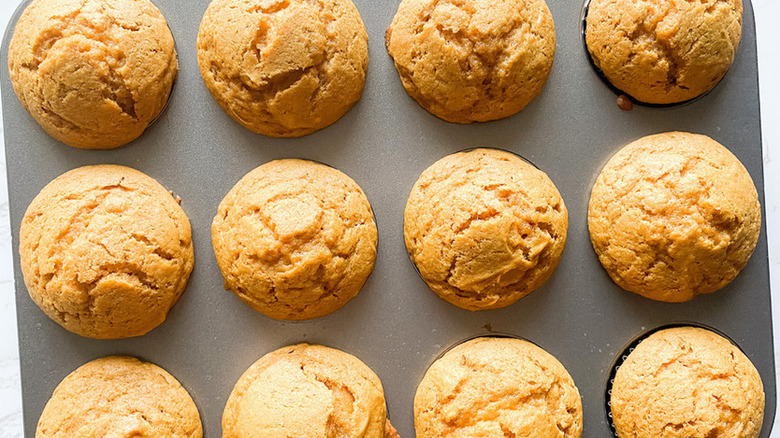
(687, 382)
(473, 60)
(295, 239)
(497, 387)
(664, 51)
(283, 68)
(484, 228)
(307, 391)
(119, 397)
(93, 73)
(105, 251)
(674, 215)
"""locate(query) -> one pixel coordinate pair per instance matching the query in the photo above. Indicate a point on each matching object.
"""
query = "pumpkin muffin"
(687, 382)
(484, 228)
(119, 397)
(295, 239)
(497, 387)
(664, 51)
(93, 73)
(283, 68)
(105, 251)
(674, 215)
(307, 391)
(474, 60)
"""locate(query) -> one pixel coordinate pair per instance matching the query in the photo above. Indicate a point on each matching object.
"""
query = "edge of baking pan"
(7, 95)
(748, 10)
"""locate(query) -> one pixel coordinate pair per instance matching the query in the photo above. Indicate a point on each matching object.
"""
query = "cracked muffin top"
(473, 60)
(484, 228)
(664, 51)
(674, 215)
(307, 391)
(687, 382)
(105, 251)
(283, 68)
(93, 73)
(295, 239)
(120, 397)
(497, 387)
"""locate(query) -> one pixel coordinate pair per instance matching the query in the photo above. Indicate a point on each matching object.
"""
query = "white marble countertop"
(767, 15)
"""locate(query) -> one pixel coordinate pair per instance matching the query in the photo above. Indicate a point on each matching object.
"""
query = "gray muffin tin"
(396, 325)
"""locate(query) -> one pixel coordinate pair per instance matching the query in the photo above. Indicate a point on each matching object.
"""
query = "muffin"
(283, 68)
(93, 73)
(674, 215)
(295, 239)
(663, 51)
(484, 228)
(105, 251)
(474, 60)
(119, 396)
(497, 387)
(687, 382)
(307, 391)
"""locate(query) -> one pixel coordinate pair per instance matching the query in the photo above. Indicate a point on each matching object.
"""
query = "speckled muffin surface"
(674, 215)
(307, 391)
(687, 382)
(283, 68)
(474, 60)
(119, 397)
(295, 239)
(497, 387)
(93, 73)
(105, 251)
(664, 51)
(484, 228)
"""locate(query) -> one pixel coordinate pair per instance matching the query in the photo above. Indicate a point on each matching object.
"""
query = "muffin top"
(687, 382)
(283, 68)
(307, 391)
(473, 60)
(490, 387)
(93, 73)
(484, 228)
(664, 51)
(119, 397)
(105, 251)
(674, 215)
(295, 239)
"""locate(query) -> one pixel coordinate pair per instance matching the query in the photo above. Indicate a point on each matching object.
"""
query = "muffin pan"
(396, 325)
